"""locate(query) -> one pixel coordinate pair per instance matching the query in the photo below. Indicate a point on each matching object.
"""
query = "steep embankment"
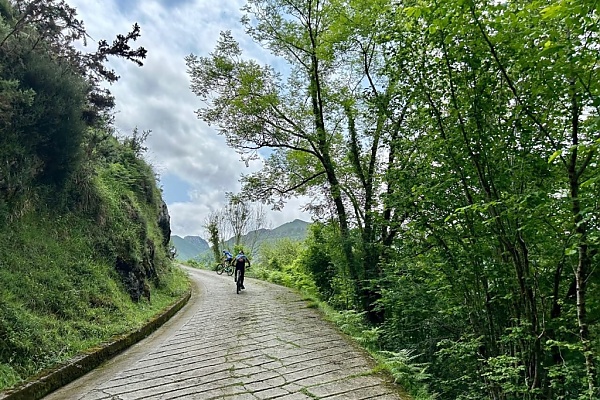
(73, 278)
(83, 229)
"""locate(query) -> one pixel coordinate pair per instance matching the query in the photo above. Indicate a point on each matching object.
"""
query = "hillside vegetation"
(83, 228)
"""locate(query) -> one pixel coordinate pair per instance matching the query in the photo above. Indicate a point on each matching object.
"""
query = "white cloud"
(157, 97)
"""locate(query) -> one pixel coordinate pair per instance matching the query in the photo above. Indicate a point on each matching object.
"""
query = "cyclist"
(241, 262)
(228, 256)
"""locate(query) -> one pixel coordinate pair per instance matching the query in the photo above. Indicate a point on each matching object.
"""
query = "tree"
(237, 216)
(497, 97)
(50, 93)
(212, 228)
(247, 221)
(302, 117)
(453, 146)
(235, 226)
(53, 25)
(255, 109)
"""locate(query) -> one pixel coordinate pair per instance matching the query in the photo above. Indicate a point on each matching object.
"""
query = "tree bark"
(584, 260)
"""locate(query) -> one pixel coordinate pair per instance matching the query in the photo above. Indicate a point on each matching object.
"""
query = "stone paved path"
(264, 343)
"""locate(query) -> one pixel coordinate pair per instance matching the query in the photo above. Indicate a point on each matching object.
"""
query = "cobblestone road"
(264, 343)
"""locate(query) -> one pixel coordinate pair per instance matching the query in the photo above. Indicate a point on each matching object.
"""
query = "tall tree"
(329, 123)
(255, 109)
(212, 229)
(427, 127)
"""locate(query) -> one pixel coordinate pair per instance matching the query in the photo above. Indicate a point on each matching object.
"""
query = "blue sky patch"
(128, 5)
(175, 190)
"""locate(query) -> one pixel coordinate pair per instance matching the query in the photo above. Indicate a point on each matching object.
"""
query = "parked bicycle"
(224, 266)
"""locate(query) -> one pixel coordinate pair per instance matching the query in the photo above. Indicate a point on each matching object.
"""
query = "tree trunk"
(329, 166)
(584, 261)
(581, 274)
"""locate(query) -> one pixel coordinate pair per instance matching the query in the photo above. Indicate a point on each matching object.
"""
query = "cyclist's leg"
(242, 271)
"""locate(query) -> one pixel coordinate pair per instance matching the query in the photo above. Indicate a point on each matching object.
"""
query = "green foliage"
(60, 296)
(49, 95)
(278, 263)
(195, 264)
(402, 364)
(53, 125)
(274, 255)
(213, 233)
(6, 10)
(490, 235)
(465, 140)
(42, 129)
(325, 261)
(319, 262)
(413, 376)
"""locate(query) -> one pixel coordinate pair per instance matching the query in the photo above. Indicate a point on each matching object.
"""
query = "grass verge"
(60, 297)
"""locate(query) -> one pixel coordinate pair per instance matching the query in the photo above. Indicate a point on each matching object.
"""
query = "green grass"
(61, 295)
(78, 243)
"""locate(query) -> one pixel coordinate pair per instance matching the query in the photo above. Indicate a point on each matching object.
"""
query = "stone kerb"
(50, 380)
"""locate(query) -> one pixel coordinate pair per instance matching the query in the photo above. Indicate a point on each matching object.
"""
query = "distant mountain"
(189, 247)
(295, 230)
(194, 247)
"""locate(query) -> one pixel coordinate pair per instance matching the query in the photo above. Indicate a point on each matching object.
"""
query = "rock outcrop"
(164, 223)
(136, 271)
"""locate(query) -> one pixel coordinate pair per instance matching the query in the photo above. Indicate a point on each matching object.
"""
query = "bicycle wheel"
(220, 268)
(229, 270)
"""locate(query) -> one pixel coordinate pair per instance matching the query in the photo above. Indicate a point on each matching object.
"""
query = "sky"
(195, 166)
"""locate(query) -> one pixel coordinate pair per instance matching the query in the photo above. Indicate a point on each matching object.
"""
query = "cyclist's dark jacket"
(240, 267)
(241, 260)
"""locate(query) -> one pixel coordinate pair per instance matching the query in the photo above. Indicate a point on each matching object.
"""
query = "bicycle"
(224, 266)
(239, 283)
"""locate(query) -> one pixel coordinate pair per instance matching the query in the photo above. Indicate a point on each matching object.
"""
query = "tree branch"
(292, 188)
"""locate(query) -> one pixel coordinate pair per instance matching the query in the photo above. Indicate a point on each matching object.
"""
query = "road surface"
(264, 343)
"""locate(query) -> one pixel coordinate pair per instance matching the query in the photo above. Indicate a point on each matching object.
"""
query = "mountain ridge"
(194, 247)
